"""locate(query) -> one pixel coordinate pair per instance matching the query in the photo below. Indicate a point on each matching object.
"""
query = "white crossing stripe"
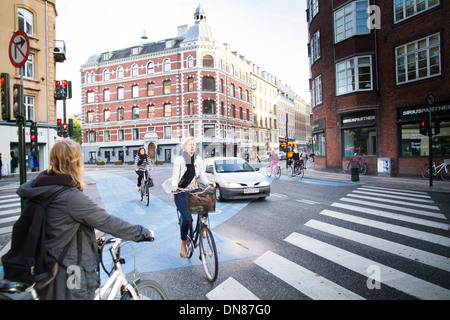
(304, 280)
(6, 230)
(307, 201)
(391, 277)
(11, 205)
(417, 234)
(415, 195)
(230, 289)
(395, 190)
(394, 196)
(10, 211)
(433, 224)
(401, 250)
(403, 209)
(419, 205)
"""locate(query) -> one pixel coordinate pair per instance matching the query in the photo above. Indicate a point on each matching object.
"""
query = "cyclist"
(304, 156)
(142, 164)
(187, 171)
(295, 159)
(274, 157)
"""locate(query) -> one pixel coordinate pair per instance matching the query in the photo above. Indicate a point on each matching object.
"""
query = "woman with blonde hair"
(187, 172)
(70, 221)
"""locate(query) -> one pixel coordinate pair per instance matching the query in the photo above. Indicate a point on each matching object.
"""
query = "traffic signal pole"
(430, 146)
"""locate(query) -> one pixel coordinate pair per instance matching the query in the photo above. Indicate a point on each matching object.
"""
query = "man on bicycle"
(142, 164)
(295, 159)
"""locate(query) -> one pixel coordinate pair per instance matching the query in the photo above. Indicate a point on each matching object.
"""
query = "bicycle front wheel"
(290, 172)
(426, 171)
(347, 168)
(147, 195)
(362, 168)
(278, 172)
(268, 174)
(445, 173)
(299, 171)
(146, 290)
(208, 254)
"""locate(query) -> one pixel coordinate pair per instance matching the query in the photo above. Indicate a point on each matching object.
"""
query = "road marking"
(391, 277)
(395, 192)
(304, 280)
(394, 196)
(231, 289)
(308, 202)
(398, 249)
(425, 206)
(417, 234)
(396, 216)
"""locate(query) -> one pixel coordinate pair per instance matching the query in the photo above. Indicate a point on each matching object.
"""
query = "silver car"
(235, 179)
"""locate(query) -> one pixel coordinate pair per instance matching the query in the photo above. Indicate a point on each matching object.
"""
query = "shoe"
(186, 255)
(137, 189)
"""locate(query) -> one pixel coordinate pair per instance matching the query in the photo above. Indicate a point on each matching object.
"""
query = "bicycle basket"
(201, 202)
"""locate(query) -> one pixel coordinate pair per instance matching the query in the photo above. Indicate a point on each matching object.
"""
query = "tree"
(76, 130)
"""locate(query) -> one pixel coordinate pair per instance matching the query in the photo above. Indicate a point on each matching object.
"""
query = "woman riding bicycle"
(187, 171)
(141, 162)
(274, 158)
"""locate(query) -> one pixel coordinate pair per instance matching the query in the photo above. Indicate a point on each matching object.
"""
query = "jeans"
(186, 217)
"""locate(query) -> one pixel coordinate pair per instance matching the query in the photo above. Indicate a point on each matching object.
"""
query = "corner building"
(156, 94)
(371, 71)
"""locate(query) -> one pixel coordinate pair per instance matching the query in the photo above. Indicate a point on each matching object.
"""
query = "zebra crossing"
(393, 213)
(9, 209)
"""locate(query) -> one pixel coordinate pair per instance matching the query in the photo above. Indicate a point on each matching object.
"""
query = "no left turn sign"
(19, 48)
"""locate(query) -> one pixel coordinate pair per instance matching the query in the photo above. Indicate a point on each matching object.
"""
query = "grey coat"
(69, 212)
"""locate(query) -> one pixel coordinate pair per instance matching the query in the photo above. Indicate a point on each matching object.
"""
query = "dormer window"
(106, 56)
(136, 50)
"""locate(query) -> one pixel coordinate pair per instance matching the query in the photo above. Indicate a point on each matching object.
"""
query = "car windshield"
(233, 165)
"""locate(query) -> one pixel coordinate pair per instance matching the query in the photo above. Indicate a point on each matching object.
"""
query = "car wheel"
(218, 194)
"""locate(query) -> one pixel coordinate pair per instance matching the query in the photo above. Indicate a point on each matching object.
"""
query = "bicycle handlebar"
(179, 190)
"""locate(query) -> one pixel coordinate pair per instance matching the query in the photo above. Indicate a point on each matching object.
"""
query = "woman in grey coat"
(70, 221)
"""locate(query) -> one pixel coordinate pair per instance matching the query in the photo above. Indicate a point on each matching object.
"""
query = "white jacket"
(179, 168)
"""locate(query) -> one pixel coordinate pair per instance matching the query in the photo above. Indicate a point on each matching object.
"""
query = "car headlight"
(264, 183)
(234, 185)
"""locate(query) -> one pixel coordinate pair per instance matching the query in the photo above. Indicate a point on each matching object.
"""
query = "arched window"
(208, 61)
(25, 21)
(150, 68)
(134, 70)
(120, 73)
(166, 65)
(106, 75)
(190, 62)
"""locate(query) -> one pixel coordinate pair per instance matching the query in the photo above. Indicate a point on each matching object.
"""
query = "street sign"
(19, 48)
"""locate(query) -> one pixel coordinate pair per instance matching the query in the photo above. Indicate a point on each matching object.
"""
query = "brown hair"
(66, 158)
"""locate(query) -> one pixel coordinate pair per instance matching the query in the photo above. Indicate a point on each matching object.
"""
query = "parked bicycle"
(93, 160)
(443, 170)
(117, 286)
(202, 235)
(362, 167)
(144, 191)
(295, 168)
(276, 171)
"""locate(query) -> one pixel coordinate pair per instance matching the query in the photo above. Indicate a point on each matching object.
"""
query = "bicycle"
(443, 169)
(276, 171)
(296, 169)
(203, 237)
(117, 285)
(362, 167)
(92, 160)
(144, 190)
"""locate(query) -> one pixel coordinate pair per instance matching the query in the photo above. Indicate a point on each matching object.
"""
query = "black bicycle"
(144, 191)
(295, 168)
(202, 235)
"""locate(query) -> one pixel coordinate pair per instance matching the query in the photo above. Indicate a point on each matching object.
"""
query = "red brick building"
(156, 94)
(372, 65)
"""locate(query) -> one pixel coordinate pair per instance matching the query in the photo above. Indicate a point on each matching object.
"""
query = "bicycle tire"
(289, 171)
(268, 174)
(362, 168)
(278, 172)
(141, 194)
(445, 173)
(147, 194)
(346, 168)
(146, 290)
(426, 171)
(300, 172)
(208, 253)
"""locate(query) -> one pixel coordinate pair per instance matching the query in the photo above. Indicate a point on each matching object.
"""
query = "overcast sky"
(272, 34)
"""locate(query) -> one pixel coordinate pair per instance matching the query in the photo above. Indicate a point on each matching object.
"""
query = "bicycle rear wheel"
(289, 171)
(362, 168)
(278, 172)
(346, 168)
(299, 171)
(208, 254)
(445, 173)
(426, 171)
(268, 174)
(146, 290)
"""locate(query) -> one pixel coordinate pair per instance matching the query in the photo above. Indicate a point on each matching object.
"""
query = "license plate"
(251, 190)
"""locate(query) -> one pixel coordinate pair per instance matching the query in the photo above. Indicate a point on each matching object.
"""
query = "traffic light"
(6, 109)
(34, 139)
(64, 126)
(70, 127)
(424, 127)
(59, 127)
(58, 90)
(18, 108)
(437, 125)
(66, 90)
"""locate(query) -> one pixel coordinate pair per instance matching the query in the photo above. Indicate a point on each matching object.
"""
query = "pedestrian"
(187, 172)
(304, 156)
(70, 221)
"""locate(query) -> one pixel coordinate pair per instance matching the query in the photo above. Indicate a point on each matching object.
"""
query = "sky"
(272, 34)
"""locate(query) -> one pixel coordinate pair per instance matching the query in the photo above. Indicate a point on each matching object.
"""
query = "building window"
(120, 114)
(167, 87)
(28, 67)
(134, 70)
(191, 130)
(92, 137)
(415, 144)
(319, 145)
(316, 91)
(106, 136)
(135, 133)
(208, 83)
(106, 95)
(90, 97)
(209, 130)
(404, 9)
(208, 61)
(29, 107)
(232, 90)
(150, 68)
(191, 107)
(120, 135)
(135, 113)
(354, 75)
(351, 20)
(419, 59)
(190, 62)
(167, 110)
(190, 84)
(90, 117)
(166, 65)
(107, 115)
(106, 75)
(360, 142)
(135, 91)
(119, 73)
(150, 89)
(313, 6)
(151, 111)
(208, 107)
(168, 132)
(120, 93)
(315, 47)
(25, 21)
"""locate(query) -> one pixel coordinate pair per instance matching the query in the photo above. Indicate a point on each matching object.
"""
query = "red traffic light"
(65, 126)
(58, 121)
(2, 81)
(64, 83)
(32, 137)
